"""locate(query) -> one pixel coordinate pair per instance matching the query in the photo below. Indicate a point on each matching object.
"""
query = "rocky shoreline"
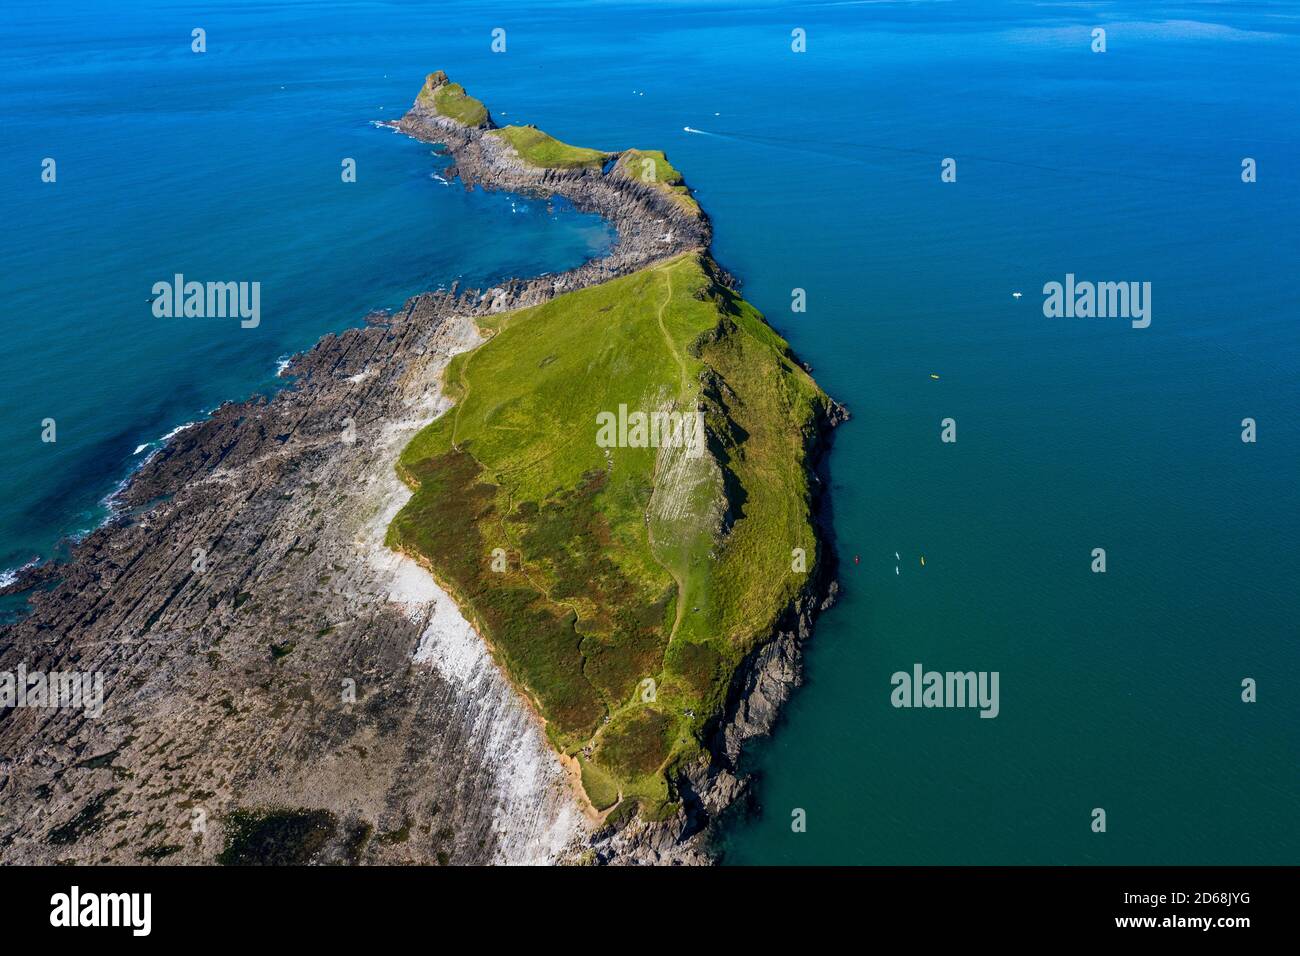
(262, 649)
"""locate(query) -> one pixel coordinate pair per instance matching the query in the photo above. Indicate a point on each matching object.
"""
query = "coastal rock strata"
(278, 685)
(256, 641)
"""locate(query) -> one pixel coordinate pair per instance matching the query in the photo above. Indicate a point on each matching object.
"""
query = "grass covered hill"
(541, 149)
(620, 575)
(450, 100)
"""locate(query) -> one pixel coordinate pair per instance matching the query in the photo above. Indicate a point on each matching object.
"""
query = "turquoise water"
(821, 172)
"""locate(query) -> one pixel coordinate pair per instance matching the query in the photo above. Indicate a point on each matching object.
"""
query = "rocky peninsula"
(281, 685)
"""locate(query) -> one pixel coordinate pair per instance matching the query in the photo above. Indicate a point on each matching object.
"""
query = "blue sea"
(822, 172)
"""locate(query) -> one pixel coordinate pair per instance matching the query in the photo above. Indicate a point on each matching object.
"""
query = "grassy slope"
(601, 543)
(542, 149)
(652, 166)
(452, 101)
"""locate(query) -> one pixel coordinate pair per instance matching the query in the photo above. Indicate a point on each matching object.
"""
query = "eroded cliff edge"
(222, 684)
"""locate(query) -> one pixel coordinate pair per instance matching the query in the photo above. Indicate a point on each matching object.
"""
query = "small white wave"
(175, 431)
(10, 576)
(153, 447)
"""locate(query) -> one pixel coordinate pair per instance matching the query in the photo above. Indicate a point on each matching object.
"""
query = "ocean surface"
(821, 170)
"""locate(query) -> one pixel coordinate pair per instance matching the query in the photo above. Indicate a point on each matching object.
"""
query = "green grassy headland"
(619, 587)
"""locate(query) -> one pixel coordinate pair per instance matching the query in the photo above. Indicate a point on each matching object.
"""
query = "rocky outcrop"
(651, 225)
(263, 652)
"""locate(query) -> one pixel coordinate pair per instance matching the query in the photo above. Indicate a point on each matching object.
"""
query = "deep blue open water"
(821, 171)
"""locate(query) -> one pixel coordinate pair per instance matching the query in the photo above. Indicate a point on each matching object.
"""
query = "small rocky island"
(411, 610)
